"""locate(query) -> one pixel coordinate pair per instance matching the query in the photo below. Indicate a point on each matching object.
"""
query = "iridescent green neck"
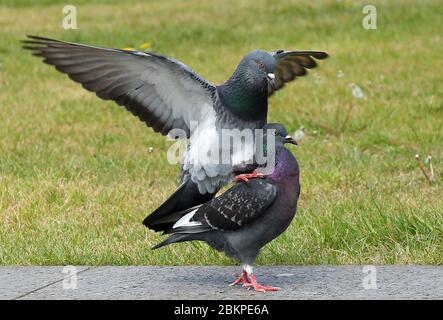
(245, 96)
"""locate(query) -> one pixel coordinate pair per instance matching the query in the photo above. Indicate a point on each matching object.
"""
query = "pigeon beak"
(271, 79)
(291, 140)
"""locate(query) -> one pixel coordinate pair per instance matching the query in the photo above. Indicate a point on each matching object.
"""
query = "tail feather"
(172, 239)
(178, 204)
(167, 207)
(175, 216)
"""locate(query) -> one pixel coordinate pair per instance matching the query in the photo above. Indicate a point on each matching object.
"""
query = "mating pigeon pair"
(247, 216)
(167, 95)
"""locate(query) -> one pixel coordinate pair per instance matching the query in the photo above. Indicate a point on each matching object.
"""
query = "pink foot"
(258, 287)
(241, 278)
(246, 176)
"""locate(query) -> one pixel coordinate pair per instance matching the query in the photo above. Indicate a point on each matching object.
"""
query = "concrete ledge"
(211, 282)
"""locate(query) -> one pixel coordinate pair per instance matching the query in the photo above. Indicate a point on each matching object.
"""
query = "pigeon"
(250, 214)
(255, 169)
(172, 99)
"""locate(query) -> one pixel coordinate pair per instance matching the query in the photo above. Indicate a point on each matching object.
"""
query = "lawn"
(78, 175)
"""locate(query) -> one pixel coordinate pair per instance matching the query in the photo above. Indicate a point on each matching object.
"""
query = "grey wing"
(292, 64)
(237, 207)
(162, 92)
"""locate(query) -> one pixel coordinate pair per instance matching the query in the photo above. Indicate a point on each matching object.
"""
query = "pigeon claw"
(246, 176)
(250, 282)
(241, 178)
(258, 287)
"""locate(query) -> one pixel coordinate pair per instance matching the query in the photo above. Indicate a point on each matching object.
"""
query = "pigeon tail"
(185, 197)
(177, 237)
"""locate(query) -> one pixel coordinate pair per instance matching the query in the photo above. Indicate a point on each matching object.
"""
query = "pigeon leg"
(253, 281)
(246, 176)
(241, 278)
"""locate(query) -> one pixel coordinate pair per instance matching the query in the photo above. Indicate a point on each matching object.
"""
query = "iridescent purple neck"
(286, 166)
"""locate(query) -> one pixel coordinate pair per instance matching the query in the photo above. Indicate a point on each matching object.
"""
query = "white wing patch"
(209, 159)
(202, 159)
(185, 221)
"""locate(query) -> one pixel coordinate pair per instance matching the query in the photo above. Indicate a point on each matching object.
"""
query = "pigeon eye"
(274, 132)
(261, 64)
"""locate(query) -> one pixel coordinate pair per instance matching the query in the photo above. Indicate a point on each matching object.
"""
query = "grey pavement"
(211, 282)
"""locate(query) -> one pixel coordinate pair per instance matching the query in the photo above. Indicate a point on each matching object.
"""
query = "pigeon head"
(246, 93)
(260, 66)
(278, 132)
(284, 164)
(275, 156)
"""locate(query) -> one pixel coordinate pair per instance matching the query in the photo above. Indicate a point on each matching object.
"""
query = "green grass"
(77, 178)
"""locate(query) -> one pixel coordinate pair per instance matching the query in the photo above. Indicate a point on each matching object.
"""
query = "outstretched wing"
(162, 92)
(292, 64)
(237, 207)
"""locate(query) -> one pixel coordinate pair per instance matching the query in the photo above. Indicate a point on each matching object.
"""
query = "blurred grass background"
(77, 176)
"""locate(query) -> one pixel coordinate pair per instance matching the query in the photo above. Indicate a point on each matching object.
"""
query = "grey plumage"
(141, 82)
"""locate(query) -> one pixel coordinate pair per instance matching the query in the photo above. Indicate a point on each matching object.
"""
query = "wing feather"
(293, 64)
(237, 207)
(162, 92)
